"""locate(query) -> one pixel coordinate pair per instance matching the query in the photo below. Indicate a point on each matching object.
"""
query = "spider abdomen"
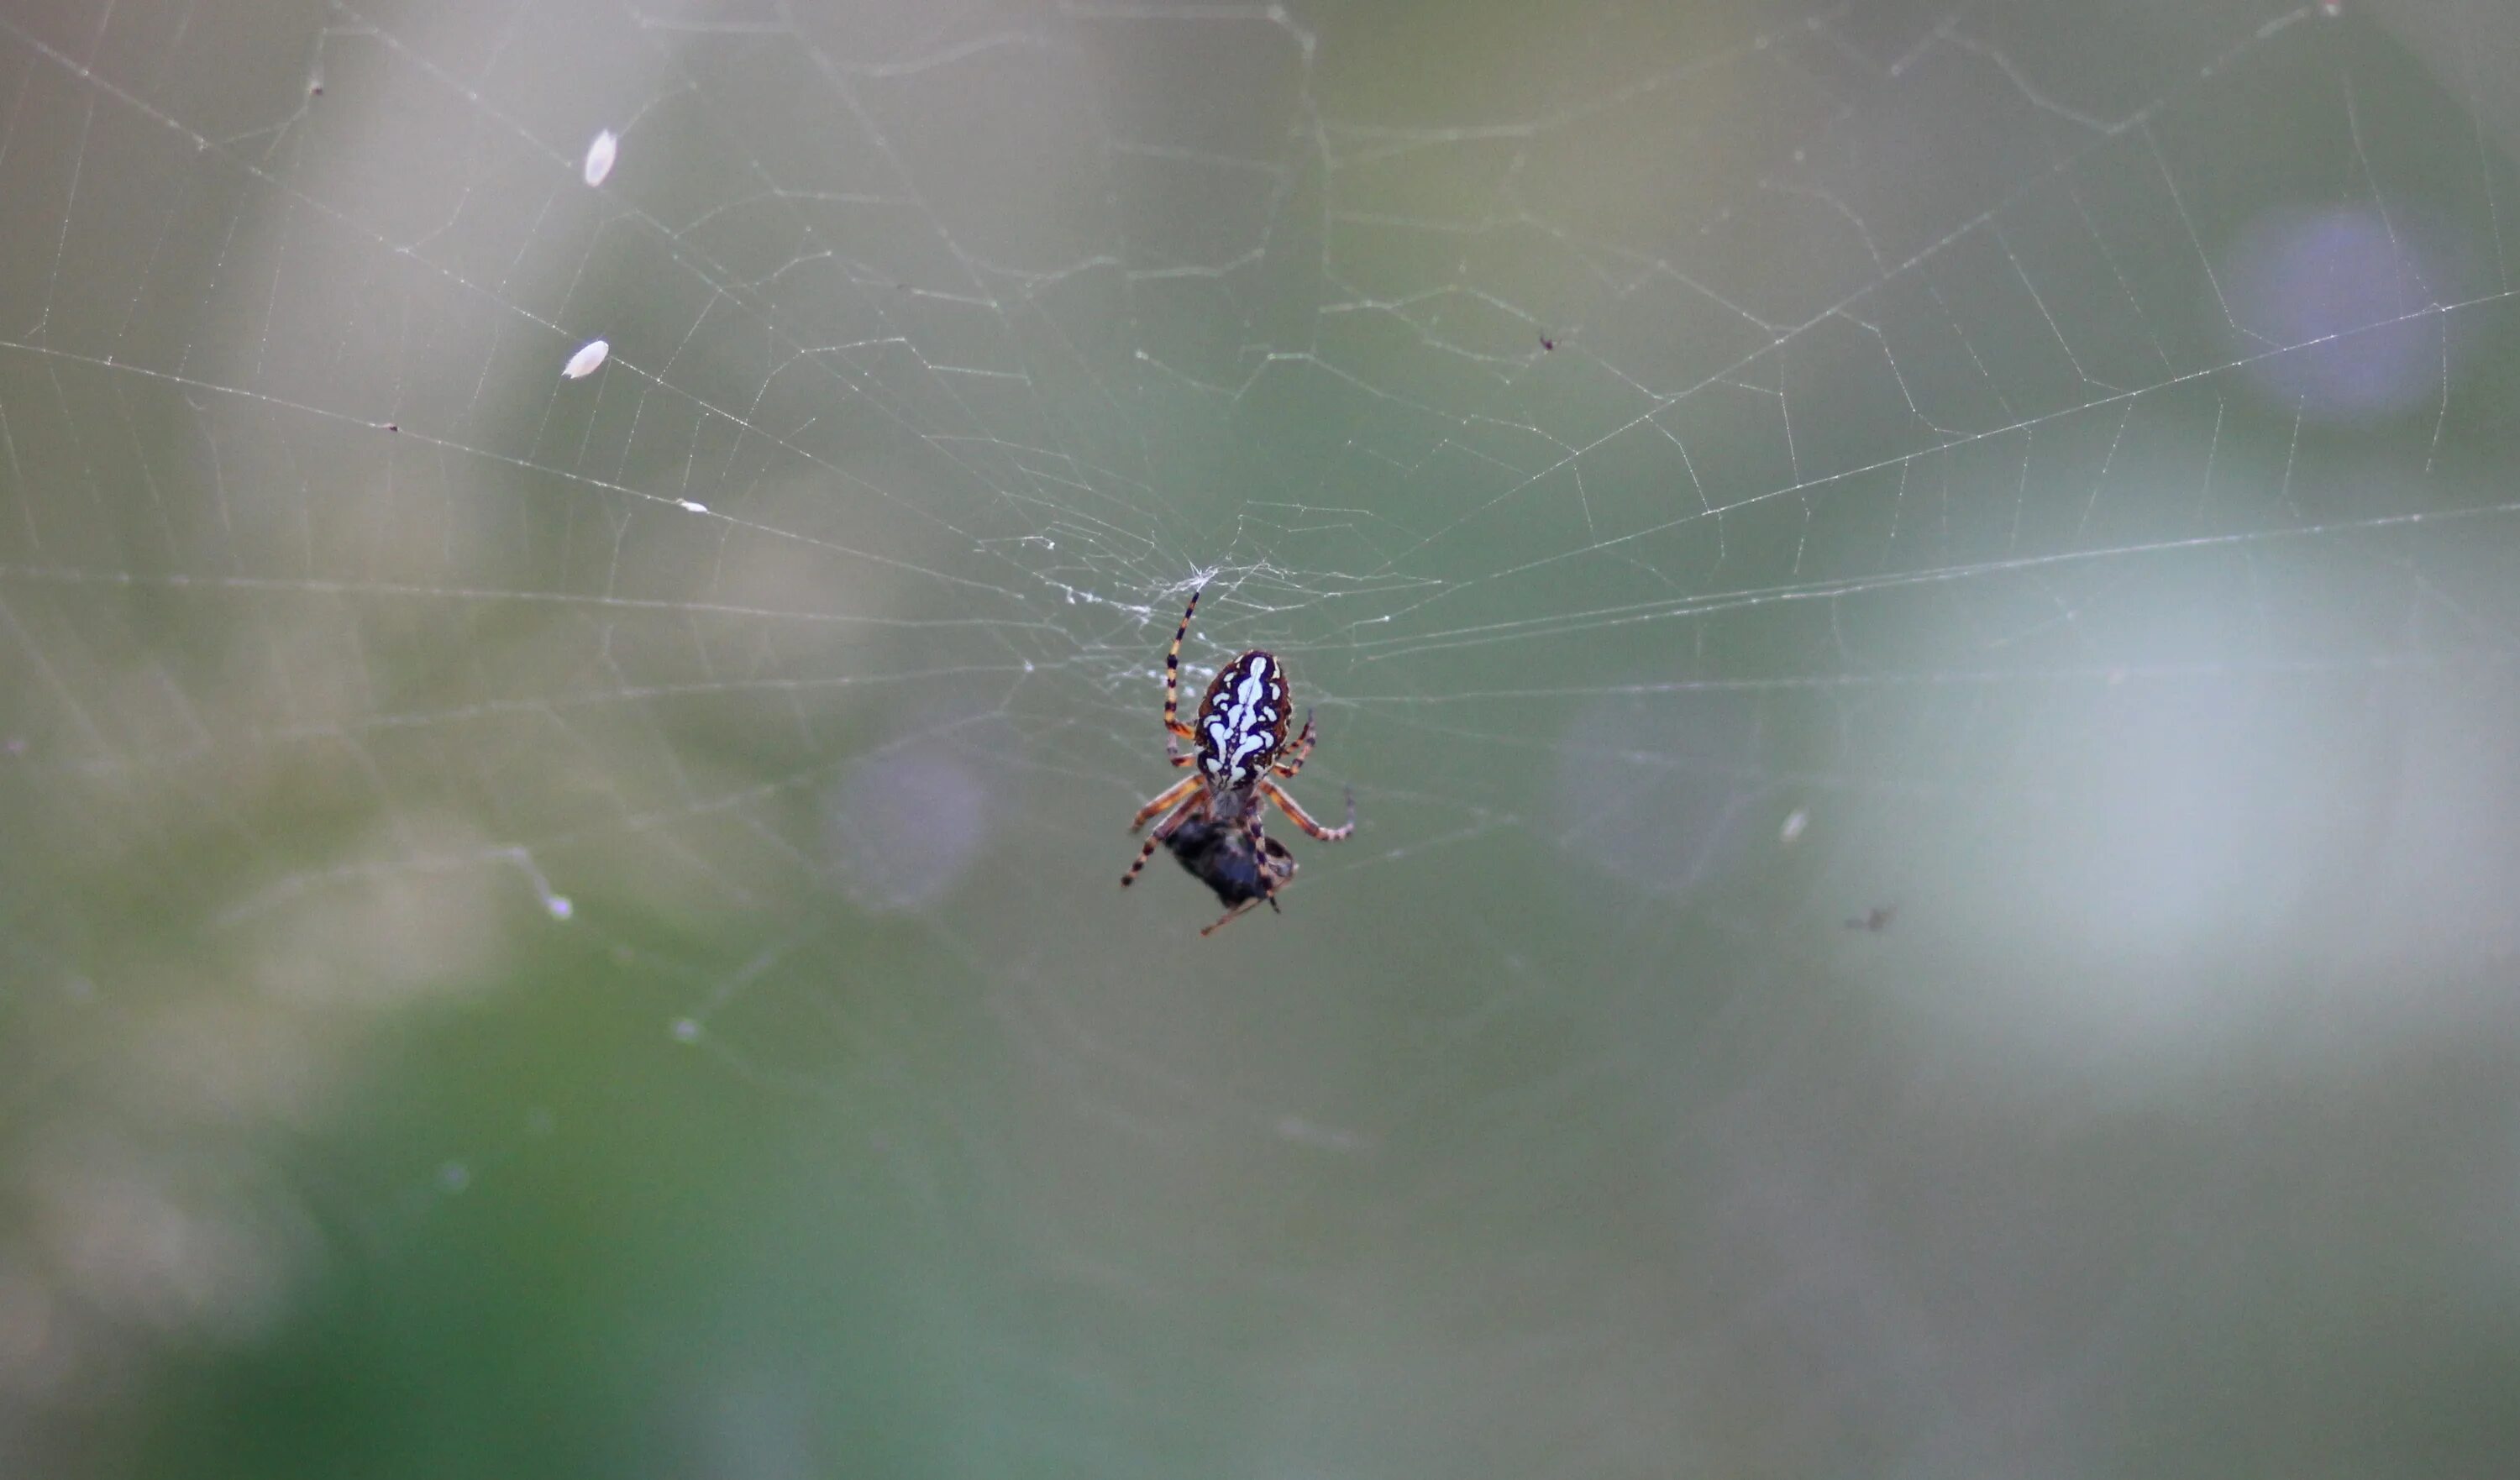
(1242, 720)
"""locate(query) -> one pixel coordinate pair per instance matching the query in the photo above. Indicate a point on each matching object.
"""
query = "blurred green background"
(566, 925)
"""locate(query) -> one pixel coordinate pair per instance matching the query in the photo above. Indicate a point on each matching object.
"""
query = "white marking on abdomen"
(1241, 724)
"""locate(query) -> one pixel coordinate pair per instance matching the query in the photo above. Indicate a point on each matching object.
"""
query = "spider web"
(1916, 602)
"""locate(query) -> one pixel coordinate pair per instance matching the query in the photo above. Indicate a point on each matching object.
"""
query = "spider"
(1242, 753)
(1222, 861)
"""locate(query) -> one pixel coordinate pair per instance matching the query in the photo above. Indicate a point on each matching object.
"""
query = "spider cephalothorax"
(1242, 753)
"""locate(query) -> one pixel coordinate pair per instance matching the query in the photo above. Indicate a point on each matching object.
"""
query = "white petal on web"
(694, 505)
(599, 156)
(1795, 822)
(585, 362)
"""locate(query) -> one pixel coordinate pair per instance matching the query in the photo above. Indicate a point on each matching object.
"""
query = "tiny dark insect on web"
(1876, 919)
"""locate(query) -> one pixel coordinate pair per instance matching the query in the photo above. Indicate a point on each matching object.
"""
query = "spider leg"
(1170, 796)
(1301, 819)
(1293, 761)
(1260, 853)
(1172, 676)
(1241, 908)
(1196, 801)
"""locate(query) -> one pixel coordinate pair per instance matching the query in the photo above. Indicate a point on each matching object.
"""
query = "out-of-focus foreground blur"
(1918, 601)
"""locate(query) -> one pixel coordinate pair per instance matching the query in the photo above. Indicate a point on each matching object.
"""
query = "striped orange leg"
(1194, 803)
(1172, 675)
(1301, 819)
(1294, 760)
(1170, 797)
(1260, 854)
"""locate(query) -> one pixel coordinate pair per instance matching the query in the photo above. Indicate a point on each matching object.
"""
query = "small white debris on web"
(694, 505)
(1795, 822)
(599, 156)
(687, 1030)
(587, 360)
(454, 1177)
(555, 904)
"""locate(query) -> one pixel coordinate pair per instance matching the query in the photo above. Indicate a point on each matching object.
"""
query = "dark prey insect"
(1221, 858)
(1242, 755)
